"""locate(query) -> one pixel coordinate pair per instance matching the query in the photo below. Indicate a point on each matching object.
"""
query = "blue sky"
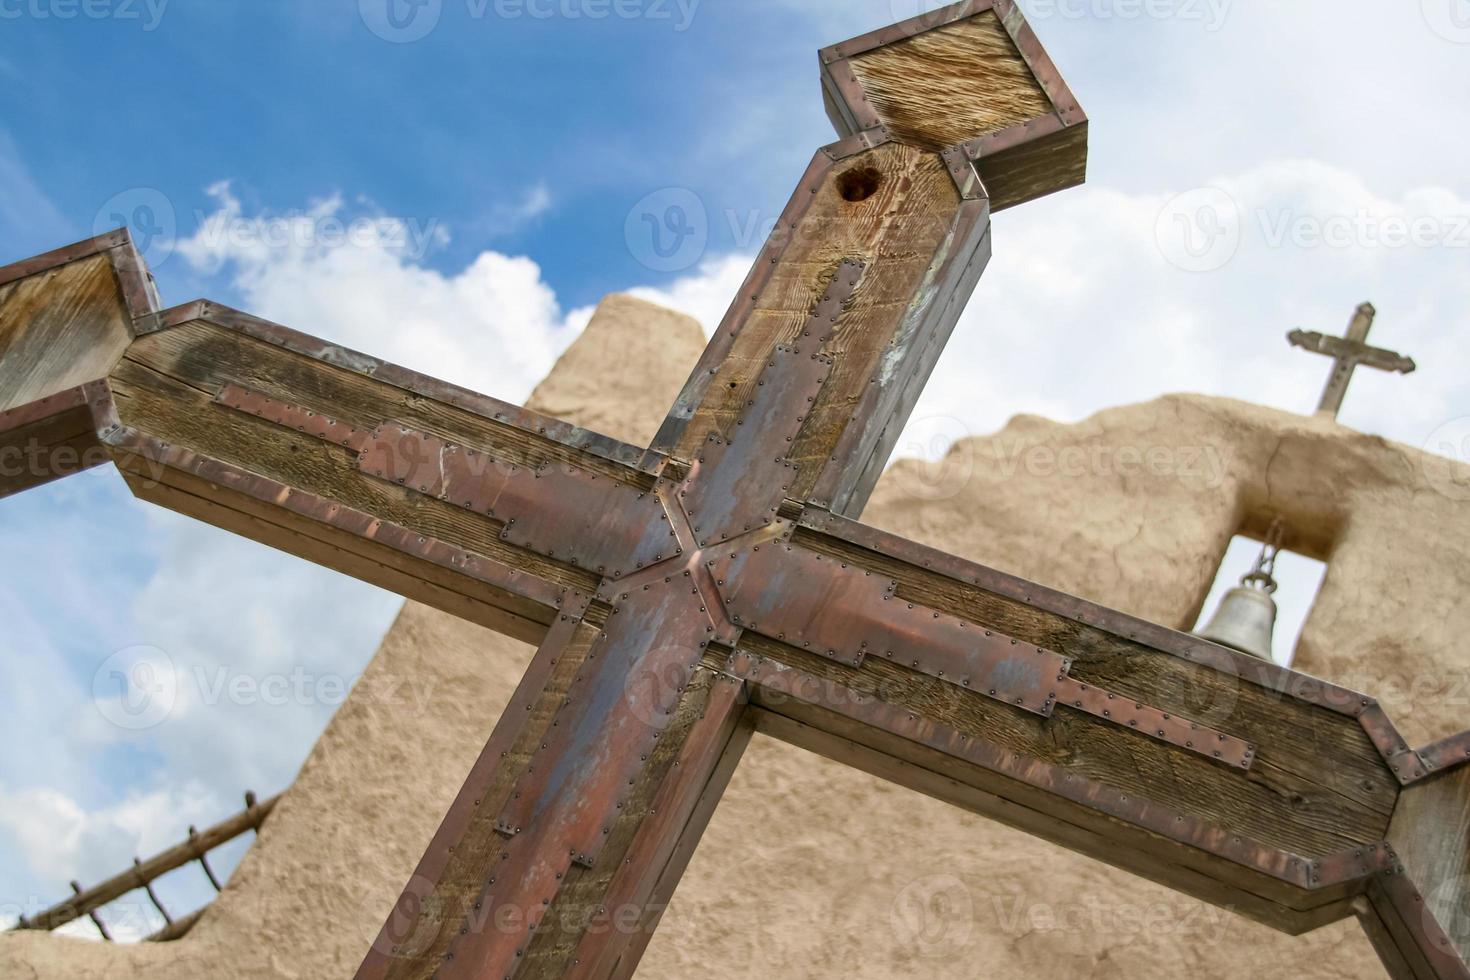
(496, 169)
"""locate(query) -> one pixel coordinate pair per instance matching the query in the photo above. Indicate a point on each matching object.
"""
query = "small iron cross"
(1348, 352)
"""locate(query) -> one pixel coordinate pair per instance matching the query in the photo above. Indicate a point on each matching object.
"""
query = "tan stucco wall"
(813, 870)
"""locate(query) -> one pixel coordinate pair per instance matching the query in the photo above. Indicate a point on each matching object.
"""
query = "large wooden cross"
(718, 582)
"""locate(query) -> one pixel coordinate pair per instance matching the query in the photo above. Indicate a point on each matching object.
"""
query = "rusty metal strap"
(1162, 725)
(1446, 755)
(774, 685)
(295, 417)
(847, 613)
(557, 509)
(737, 484)
(621, 702)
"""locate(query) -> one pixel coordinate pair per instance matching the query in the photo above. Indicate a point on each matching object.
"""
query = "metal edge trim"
(172, 317)
(1397, 893)
(1293, 869)
(44, 408)
(1444, 756)
(1012, 137)
(127, 441)
(1405, 763)
(691, 395)
(973, 221)
(134, 281)
(1043, 69)
(840, 80)
(46, 261)
(859, 142)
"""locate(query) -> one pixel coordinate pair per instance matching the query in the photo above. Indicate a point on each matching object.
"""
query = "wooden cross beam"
(1347, 353)
(718, 583)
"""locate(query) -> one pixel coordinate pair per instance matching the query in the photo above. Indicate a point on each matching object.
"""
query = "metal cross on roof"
(716, 583)
(1348, 352)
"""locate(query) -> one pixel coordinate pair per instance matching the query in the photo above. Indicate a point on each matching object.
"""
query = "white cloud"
(508, 218)
(358, 280)
(705, 295)
(51, 833)
(1082, 309)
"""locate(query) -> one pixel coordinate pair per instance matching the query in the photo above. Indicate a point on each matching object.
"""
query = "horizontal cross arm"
(464, 502)
(65, 319)
(1352, 351)
(483, 509)
(1244, 784)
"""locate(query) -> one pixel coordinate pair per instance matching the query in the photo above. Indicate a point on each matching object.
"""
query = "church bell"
(1246, 618)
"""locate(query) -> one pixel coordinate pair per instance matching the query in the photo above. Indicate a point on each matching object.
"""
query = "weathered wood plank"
(951, 84)
(971, 78)
(607, 915)
(178, 408)
(208, 354)
(896, 230)
(1293, 813)
(451, 876)
(896, 211)
(1431, 834)
(60, 329)
(49, 439)
(1294, 737)
(421, 581)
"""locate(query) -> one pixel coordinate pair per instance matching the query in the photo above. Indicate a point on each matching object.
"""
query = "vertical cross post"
(576, 822)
